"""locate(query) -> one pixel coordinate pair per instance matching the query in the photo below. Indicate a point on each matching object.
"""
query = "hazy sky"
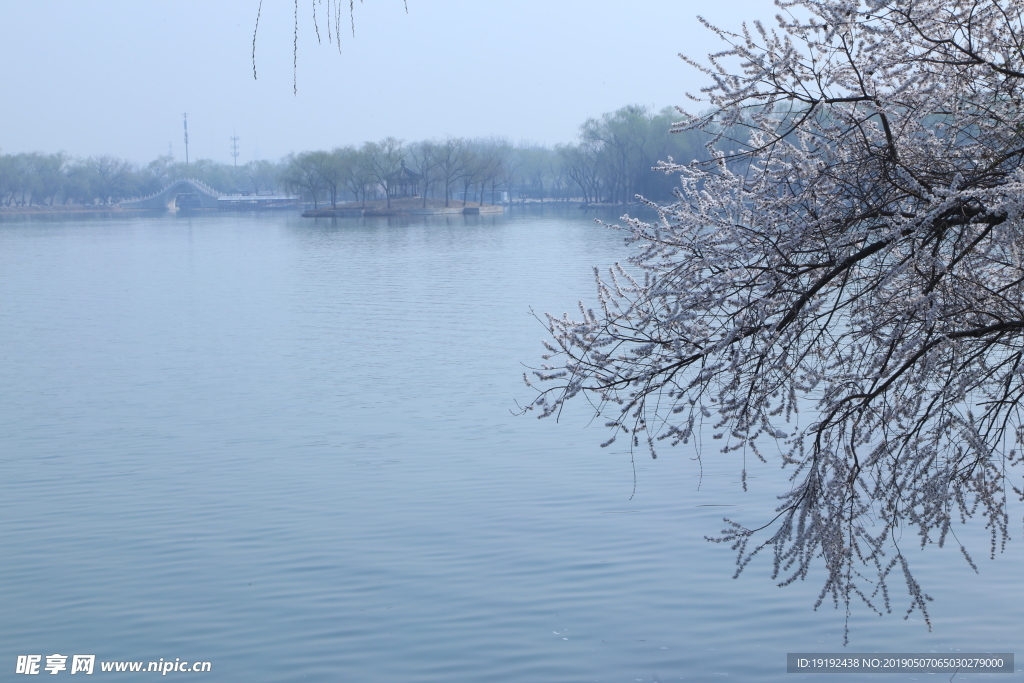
(114, 77)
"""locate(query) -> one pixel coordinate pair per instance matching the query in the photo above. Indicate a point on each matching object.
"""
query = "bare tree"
(302, 173)
(111, 177)
(384, 160)
(356, 173)
(619, 139)
(327, 165)
(491, 167)
(449, 163)
(858, 256)
(425, 156)
(580, 164)
(261, 174)
(512, 162)
(471, 165)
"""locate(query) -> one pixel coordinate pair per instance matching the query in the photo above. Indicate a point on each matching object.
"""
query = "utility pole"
(234, 147)
(185, 116)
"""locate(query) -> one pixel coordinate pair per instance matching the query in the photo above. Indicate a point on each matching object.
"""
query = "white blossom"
(854, 245)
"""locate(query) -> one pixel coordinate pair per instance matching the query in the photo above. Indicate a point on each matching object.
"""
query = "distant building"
(404, 183)
(250, 202)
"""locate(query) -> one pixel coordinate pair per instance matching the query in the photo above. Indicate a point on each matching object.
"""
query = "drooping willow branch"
(334, 13)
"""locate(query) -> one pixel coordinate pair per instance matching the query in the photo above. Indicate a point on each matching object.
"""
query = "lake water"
(287, 447)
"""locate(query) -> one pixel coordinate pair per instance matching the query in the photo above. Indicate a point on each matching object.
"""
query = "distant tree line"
(610, 162)
(46, 179)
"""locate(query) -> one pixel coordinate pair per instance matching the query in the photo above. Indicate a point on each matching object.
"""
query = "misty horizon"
(116, 79)
(176, 152)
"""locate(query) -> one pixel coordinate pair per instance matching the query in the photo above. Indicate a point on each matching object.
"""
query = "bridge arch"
(203, 195)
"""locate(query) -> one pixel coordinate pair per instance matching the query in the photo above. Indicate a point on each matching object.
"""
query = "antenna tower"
(185, 117)
(234, 147)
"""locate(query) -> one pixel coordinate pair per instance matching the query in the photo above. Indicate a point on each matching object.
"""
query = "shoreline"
(346, 212)
(37, 209)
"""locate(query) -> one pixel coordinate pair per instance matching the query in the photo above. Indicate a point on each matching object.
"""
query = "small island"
(402, 206)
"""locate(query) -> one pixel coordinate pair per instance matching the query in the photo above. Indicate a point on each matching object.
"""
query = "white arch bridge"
(183, 193)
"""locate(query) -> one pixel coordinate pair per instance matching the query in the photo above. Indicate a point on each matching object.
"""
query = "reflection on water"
(287, 447)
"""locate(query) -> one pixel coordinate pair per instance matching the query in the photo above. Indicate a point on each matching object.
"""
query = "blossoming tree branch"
(840, 289)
